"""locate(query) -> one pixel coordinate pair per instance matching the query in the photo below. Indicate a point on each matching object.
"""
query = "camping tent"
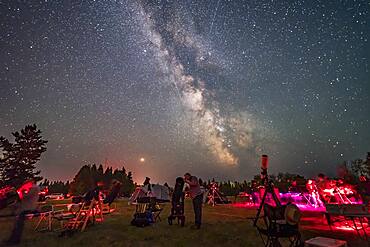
(160, 192)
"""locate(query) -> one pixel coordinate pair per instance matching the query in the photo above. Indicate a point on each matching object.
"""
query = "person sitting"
(93, 194)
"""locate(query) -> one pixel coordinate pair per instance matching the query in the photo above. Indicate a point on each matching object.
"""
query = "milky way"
(170, 38)
(199, 86)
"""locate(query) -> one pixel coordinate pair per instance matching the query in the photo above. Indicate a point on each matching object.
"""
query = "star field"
(199, 86)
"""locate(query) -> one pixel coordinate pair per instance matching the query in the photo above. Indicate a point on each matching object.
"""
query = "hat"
(292, 214)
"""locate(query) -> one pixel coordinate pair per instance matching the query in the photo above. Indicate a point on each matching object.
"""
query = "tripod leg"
(274, 196)
(276, 199)
(260, 208)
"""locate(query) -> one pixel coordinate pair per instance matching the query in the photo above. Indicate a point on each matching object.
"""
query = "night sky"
(198, 86)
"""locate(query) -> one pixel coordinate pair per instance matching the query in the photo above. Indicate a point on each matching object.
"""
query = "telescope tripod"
(269, 188)
(213, 195)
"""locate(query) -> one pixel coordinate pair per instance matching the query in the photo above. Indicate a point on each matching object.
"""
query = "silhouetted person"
(294, 187)
(29, 196)
(147, 185)
(197, 196)
(94, 193)
(116, 187)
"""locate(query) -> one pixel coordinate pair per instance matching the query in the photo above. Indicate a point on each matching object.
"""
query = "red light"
(24, 189)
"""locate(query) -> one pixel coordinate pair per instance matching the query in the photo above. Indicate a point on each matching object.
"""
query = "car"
(55, 196)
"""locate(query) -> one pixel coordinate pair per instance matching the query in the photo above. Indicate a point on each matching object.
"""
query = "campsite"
(185, 123)
(224, 225)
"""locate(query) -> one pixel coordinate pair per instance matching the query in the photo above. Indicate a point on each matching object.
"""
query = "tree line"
(87, 179)
(89, 175)
(18, 160)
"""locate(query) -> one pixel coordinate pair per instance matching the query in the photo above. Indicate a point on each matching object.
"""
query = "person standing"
(29, 196)
(147, 187)
(197, 197)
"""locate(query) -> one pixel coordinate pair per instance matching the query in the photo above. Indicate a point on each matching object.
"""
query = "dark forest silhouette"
(18, 159)
(89, 176)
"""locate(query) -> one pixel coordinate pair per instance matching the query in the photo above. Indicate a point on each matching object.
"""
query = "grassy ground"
(223, 226)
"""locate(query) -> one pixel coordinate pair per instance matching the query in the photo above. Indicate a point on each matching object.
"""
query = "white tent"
(160, 192)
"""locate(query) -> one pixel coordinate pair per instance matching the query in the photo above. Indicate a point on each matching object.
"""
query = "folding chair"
(108, 208)
(141, 207)
(83, 216)
(156, 210)
(45, 215)
(65, 214)
(89, 212)
(276, 227)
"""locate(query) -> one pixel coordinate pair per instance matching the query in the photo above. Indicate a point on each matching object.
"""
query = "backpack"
(142, 219)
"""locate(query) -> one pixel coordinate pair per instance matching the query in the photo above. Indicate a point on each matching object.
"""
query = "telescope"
(269, 187)
(264, 166)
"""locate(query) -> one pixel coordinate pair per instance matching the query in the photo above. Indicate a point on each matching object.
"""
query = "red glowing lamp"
(24, 189)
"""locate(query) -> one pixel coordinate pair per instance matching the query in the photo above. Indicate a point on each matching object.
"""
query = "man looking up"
(197, 197)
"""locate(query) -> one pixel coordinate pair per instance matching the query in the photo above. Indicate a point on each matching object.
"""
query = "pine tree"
(18, 163)
(83, 181)
(6, 159)
(88, 176)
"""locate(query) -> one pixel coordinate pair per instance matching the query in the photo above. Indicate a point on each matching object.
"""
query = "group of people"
(189, 184)
(327, 190)
(28, 197)
(27, 203)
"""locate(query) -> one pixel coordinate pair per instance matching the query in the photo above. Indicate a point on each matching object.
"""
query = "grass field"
(223, 225)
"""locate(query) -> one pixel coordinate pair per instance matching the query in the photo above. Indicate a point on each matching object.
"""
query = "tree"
(88, 177)
(18, 161)
(83, 181)
(360, 167)
(128, 186)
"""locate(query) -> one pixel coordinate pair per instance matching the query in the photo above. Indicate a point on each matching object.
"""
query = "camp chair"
(156, 210)
(45, 216)
(150, 204)
(89, 212)
(108, 208)
(65, 213)
(141, 207)
(81, 219)
(108, 205)
(278, 226)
